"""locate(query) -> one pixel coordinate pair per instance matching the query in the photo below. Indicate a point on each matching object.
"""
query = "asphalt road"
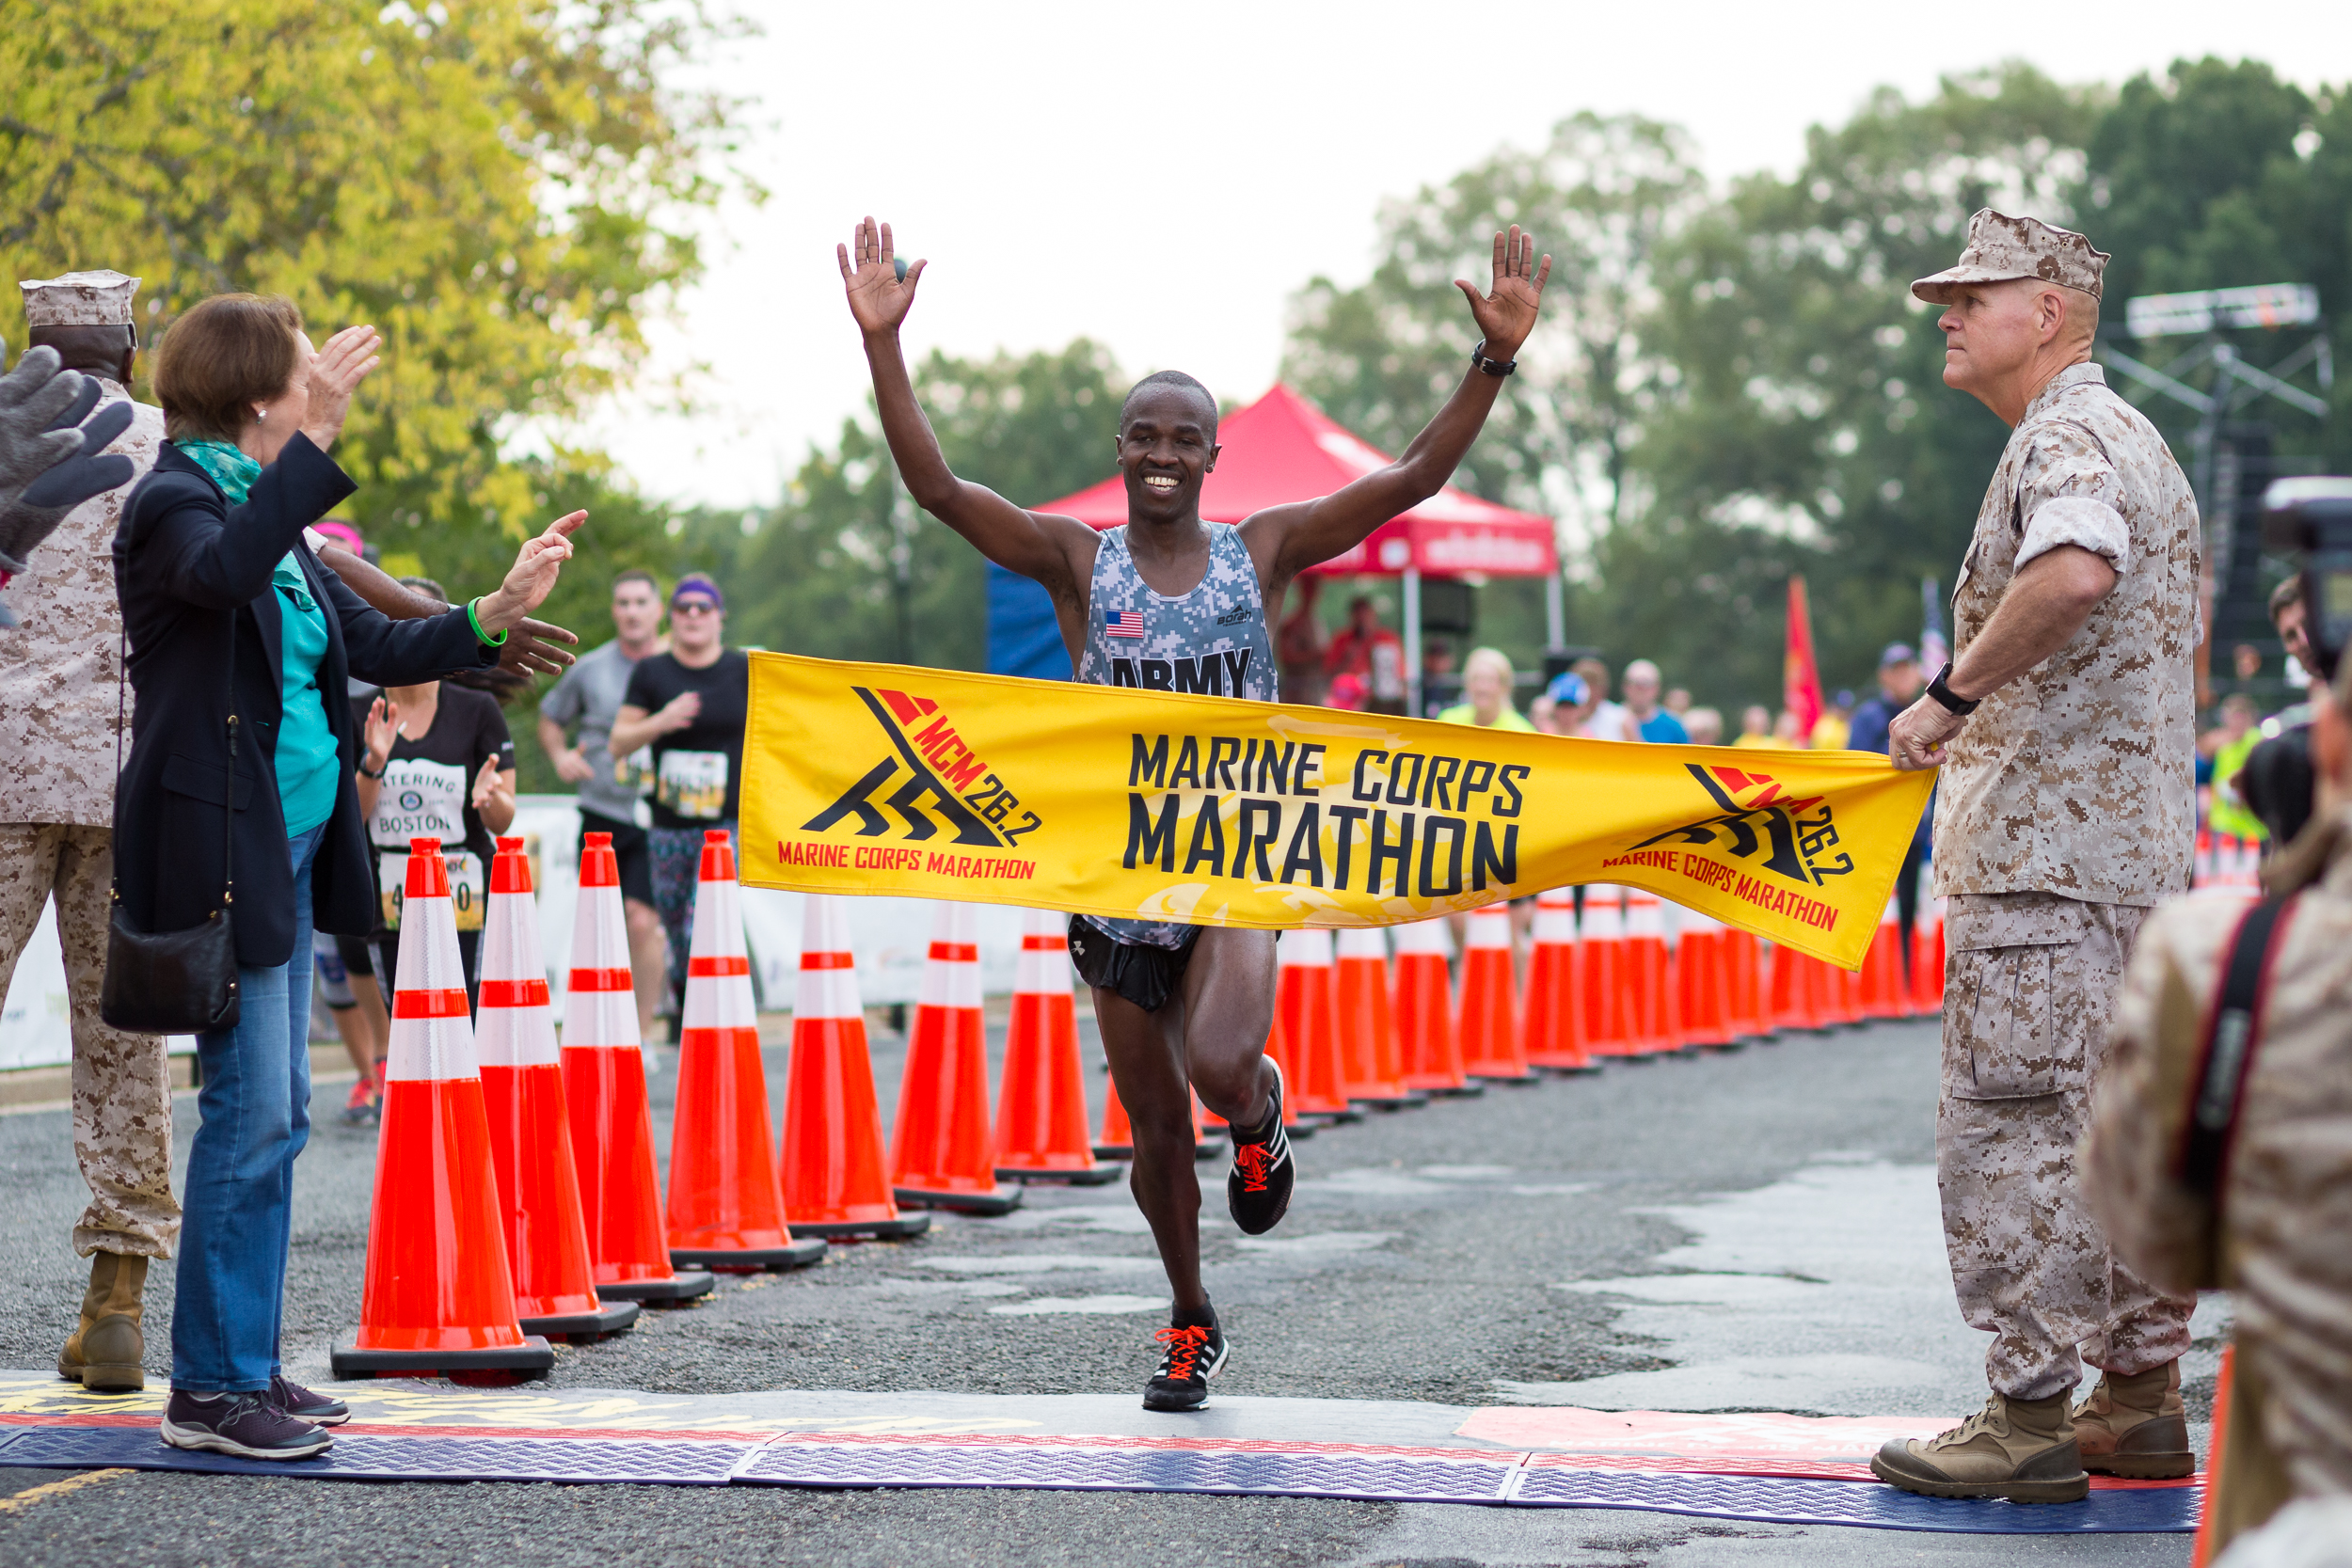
(1767, 1218)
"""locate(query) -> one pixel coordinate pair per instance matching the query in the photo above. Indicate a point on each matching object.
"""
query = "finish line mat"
(1779, 1469)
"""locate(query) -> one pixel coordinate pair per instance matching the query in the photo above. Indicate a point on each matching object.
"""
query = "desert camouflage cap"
(79, 299)
(2001, 247)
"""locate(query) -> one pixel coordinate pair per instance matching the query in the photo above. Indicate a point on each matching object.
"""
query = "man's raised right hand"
(878, 297)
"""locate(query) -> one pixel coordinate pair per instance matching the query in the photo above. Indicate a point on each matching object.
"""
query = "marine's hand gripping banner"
(1110, 800)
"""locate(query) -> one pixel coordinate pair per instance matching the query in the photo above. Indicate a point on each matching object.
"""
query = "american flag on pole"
(1122, 622)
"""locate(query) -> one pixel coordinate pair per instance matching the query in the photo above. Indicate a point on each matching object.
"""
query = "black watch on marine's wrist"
(1956, 704)
(1492, 366)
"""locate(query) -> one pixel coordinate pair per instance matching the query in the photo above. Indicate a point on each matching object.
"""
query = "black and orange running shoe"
(1195, 1355)
(1258, 1187)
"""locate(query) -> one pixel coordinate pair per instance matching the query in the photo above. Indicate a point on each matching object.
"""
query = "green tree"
(1600, 196)
(847, 567)
(1806, 428)
(496, 187)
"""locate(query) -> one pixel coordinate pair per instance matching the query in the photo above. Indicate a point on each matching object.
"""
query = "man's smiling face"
(1166, 445)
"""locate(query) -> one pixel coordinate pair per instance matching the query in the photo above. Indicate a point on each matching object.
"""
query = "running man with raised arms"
(1171, 602)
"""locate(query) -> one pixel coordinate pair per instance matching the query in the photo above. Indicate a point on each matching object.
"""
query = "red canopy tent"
(1281, 447)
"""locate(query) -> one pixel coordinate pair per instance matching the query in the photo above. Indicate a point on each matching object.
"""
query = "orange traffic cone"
(1927, 958)
(530, 1138)
(1425, 1012)
(604, 1086)
(941, 1153)
(1882, 983)
(1308, 1004)
(1751, 1016)
(1794, 991)
(1488, 1018)
(1703, 971)
(1608, 1027)
(1554, 1022)
(726, 1210)
(439, 1297)
(1371, 1071)
(1645, 972)
(836, 1182)
(1042, 1103)
(1845, 995)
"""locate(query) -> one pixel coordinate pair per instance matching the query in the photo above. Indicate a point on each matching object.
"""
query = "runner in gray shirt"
(1168, 601)
(589, 695)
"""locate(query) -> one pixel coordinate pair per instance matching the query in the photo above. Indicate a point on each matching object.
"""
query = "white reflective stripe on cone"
(602, 1018)
(1361, 941)
(1423, 935)
(437, 1044)
(828, 978)
(513, 1026)
(720, 1002)
(1305, 949)
(951, 970)
(1489, 926)
(1643, 916)
(1042, 968)
(1604, 915)
(1555, 918)
(718, 925)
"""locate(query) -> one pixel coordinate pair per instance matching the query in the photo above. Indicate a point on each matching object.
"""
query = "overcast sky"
(1164, 178)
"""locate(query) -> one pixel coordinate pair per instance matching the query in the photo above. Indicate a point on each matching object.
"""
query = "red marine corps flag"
(1800, 677)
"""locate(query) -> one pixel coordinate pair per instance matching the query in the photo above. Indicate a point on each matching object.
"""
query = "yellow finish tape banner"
(1110, 800)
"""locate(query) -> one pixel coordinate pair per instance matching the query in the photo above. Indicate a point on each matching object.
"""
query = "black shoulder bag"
(2217, 1088)
(176, 982)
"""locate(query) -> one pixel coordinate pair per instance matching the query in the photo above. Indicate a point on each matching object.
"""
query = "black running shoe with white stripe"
(1258, 1187)
(1194, 1356)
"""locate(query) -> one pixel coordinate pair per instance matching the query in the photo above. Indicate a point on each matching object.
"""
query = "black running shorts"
(1147, 977)
(631, 848)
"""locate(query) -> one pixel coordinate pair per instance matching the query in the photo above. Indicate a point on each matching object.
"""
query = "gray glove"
(50, 459)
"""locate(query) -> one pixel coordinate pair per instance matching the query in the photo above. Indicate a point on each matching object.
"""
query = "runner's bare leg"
(1209, 1038)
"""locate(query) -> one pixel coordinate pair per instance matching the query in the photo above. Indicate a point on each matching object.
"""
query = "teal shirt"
(308, 761)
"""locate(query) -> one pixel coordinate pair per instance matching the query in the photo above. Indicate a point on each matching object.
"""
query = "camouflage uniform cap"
(2001, 249)
(79, 299)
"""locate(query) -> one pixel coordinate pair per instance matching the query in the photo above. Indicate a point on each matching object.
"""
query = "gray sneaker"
(246, 1425)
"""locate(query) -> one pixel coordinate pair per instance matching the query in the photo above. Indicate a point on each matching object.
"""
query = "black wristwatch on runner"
(1958, 705)
(1492, 366)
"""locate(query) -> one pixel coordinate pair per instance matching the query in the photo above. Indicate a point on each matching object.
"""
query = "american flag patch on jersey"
(1122, 622)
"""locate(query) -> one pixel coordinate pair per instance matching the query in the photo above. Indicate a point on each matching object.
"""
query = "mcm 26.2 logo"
(930, 779)
(1793, 837)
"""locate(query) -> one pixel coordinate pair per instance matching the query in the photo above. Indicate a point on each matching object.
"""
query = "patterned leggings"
(677, 858)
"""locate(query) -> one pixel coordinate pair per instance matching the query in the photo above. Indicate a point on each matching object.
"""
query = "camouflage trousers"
(121, 1084)
(2031, 984)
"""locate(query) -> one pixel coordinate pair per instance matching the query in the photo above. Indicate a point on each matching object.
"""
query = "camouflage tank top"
(1213, 640)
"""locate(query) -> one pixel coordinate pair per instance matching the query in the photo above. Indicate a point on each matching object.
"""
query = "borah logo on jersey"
(930, 783)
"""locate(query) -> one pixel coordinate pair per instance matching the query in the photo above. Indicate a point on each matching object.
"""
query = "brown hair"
(225, 355)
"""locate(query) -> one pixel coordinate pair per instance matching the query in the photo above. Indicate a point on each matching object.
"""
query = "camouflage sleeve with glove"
(51, 460)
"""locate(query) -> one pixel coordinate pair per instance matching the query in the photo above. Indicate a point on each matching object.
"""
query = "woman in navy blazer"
(210, 551)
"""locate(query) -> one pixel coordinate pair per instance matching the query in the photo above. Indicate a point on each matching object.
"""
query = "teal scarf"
(227, 466)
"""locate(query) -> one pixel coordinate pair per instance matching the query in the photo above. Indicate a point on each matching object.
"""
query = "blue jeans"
(238, 1212)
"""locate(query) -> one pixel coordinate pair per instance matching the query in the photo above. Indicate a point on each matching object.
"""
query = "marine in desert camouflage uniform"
(58, 670)
(2065, 729)
(2274, 1233)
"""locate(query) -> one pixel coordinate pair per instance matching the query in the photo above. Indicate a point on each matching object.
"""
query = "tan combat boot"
(2021, 1449)
(2136, 1426)
(105, 1349)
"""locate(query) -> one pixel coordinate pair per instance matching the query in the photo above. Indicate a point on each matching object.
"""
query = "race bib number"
(694, 783)
(634, 772)
(466, 889)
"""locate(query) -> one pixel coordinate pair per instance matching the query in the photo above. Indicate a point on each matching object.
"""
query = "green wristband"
(498, 641)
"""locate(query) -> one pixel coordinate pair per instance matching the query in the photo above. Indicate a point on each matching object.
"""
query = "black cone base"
(1003, 1200)
(799, 1255)
(1095, 1176)
(613, 1316)
(534, 1357)
(879, 1230)
(680, 1285)
(1114, 1151)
